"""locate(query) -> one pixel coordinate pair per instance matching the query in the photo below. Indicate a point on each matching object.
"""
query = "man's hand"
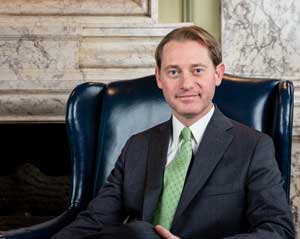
(164, 233)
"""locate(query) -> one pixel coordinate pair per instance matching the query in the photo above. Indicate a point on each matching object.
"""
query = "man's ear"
(220, 69)
(158, 82)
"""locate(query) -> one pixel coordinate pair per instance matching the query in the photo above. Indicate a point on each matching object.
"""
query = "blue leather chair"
(86, 99)
(101, 118)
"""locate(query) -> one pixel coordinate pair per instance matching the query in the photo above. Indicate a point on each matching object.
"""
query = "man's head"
(191, 33)
(188, 69)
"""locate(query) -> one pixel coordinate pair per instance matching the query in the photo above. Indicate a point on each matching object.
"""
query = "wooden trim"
(187, 10)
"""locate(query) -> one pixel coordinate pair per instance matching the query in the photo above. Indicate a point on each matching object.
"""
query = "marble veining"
(261, 37)
(35, 53)
(74, 7)
(118, 52)
(295, 184)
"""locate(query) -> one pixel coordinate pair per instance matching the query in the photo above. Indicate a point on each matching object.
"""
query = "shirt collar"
(197, 128)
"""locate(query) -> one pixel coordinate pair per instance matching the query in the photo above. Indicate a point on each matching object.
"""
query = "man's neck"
(190, 120)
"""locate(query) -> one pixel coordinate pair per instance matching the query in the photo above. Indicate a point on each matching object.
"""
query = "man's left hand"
(164, 233)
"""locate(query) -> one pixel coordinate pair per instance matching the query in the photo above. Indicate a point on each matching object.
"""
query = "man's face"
(188, 79)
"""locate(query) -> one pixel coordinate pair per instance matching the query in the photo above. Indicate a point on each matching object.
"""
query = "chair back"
(82, 120)
(132, 106)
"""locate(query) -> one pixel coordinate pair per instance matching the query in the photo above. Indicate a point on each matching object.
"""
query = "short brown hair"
(193, 33)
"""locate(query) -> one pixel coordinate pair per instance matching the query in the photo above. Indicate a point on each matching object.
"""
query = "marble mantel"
(47, 47)
(146, 9)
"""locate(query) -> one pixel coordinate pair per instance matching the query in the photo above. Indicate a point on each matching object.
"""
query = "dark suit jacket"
(233, 189)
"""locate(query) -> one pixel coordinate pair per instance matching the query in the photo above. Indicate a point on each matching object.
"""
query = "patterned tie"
(174, 178)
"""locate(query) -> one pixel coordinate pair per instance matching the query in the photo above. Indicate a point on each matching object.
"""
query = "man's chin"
(190, 115)
(193, 114)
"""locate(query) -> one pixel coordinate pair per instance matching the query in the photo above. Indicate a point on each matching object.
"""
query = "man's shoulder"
(245, 132)
(237, 128)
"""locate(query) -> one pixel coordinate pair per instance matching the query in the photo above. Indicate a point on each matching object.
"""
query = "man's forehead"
(185, 41)
(185, 52)
(179, 47)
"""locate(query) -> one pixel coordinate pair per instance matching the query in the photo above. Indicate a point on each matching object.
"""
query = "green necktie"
(174, 178)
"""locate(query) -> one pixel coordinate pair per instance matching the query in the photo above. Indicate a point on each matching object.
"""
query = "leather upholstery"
(101, 118)
(82, 117)
(128, 107)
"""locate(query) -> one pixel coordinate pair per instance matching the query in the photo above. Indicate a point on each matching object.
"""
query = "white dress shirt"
(197, 130)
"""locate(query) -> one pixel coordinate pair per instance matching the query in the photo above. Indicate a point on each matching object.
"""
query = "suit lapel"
(215, 141)
(157, 156)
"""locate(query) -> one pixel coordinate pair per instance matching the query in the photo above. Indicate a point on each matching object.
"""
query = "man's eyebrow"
(171, 66)
(199, 64)
(178, 67)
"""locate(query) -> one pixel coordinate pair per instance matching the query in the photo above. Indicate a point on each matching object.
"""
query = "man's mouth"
(187, 97)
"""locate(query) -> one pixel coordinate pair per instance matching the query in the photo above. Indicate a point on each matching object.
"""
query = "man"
(208, 177)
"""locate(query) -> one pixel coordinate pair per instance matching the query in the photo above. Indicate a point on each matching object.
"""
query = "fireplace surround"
(34, 173)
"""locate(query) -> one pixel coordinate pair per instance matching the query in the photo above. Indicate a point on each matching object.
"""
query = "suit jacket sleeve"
(268, 212)
(105, 209)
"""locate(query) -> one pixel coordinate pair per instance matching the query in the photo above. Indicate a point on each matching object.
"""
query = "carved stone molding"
(41, 62)
(47, 47)
(79, 8)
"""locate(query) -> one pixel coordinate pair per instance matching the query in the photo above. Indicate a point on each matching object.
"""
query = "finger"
(163, 232)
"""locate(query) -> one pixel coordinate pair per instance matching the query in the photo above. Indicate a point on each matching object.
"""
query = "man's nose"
(187, 81)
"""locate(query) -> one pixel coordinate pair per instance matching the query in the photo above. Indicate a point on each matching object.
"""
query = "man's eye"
(172, 72)
(198, 71)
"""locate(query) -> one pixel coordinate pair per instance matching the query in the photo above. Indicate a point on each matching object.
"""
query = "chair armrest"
(43, 230)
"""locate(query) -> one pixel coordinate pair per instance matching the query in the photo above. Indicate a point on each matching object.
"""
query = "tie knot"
(186, 134)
